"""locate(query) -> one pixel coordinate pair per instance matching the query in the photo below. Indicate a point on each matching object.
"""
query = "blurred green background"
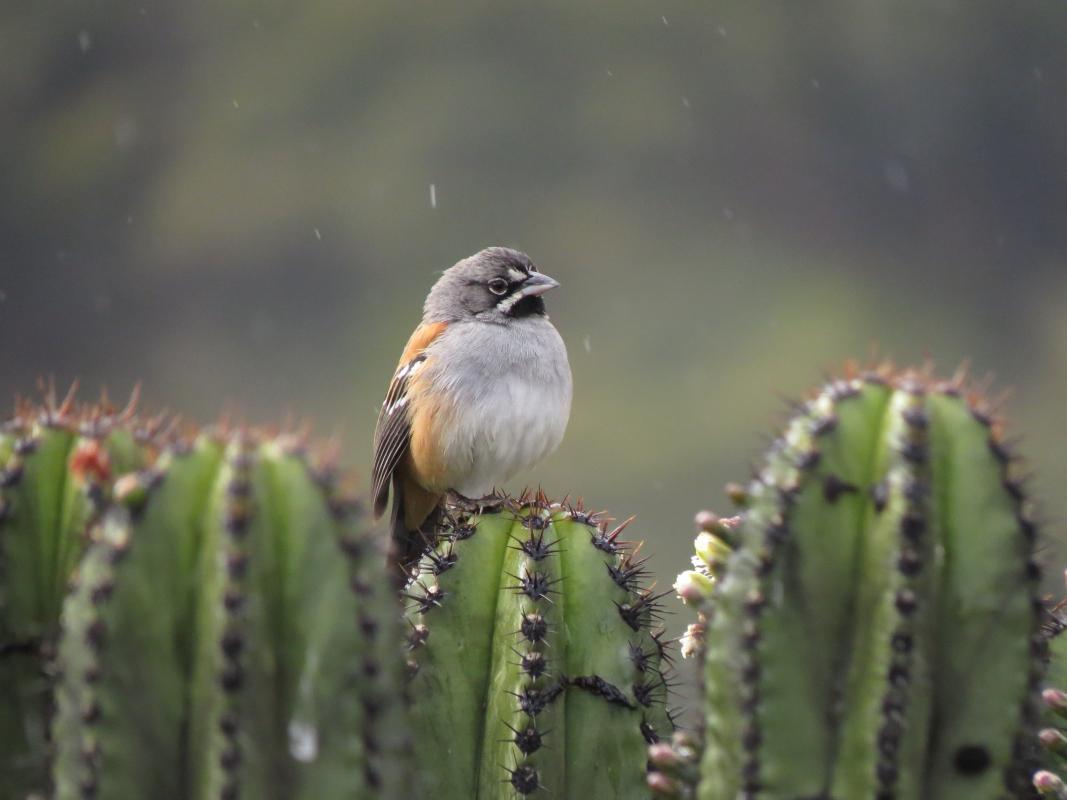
(231, 202)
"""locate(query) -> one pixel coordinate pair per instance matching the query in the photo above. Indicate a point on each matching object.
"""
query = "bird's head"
(497, 285)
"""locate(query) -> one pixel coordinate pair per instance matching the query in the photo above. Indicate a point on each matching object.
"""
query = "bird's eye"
(498, 286)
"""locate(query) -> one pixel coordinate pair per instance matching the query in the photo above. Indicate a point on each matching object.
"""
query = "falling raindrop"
(85, 41)
(433, 195)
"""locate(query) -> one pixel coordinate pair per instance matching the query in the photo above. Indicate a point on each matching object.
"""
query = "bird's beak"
(538, 283)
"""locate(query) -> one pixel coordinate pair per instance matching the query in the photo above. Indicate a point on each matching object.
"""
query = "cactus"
(217, 645)
(192, 617)
(872, 630)
(536, 669)
(57, 464)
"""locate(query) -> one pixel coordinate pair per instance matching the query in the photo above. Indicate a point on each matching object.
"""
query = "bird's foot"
(479, 505)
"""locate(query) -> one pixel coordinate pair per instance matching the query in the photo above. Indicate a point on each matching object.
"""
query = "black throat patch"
(528, 307)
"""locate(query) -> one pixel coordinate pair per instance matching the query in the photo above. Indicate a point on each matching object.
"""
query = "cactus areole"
(875, 632)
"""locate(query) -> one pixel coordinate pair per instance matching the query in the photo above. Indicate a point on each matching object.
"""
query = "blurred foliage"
(232, 203)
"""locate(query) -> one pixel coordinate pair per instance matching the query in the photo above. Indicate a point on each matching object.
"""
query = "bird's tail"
(406, 546)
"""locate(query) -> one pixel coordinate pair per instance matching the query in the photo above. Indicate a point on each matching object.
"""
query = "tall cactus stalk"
(874, 632)
(57, 464)
(220, 645)
(537, 669)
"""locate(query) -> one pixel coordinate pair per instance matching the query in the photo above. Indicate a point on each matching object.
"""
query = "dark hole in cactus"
(972, 759)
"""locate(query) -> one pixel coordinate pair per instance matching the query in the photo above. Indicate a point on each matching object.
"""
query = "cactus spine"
(875, 631)
(537, 671)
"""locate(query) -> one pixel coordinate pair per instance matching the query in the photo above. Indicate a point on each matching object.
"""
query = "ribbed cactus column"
(230, 636)
(57, 464)
(537, 670)
(875, 631)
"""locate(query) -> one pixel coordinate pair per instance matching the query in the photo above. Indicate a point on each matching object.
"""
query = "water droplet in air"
(433, 195)
(85, 41)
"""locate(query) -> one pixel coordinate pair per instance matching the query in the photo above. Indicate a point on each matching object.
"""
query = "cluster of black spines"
(1018, 773)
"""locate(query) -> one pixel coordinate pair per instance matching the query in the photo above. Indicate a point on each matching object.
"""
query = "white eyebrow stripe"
(515, 275)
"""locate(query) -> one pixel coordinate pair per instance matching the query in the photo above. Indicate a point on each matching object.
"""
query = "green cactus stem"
(875, 631)
(536, 667)
(227, 637)
(57, 464)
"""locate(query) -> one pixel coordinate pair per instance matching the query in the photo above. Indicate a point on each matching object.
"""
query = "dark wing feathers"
(393, 433)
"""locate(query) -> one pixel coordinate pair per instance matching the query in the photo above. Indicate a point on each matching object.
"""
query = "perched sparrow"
(483, 390)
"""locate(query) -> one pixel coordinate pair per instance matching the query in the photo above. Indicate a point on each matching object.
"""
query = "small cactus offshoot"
(875, 631)
(537, 669)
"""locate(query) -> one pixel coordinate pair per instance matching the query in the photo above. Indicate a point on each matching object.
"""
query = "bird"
(482, 391)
